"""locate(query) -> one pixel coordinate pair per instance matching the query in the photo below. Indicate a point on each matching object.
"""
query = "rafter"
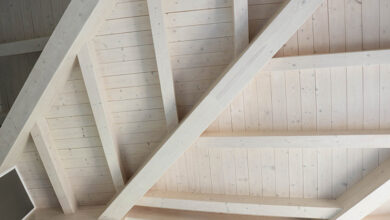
(236, 77)
(241, 27)
(329, 60)
(367, 195)
(242, 205)
(22, 47)
(142, 213)
(377, 217)
(163, 59)
(95, 90)
(52, 163)
(240, 42)
(77, 25)
(347, 139)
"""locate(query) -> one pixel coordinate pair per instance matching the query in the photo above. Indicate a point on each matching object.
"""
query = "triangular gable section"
(50, 73)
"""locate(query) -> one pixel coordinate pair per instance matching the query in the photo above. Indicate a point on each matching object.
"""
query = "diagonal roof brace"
(222, 92)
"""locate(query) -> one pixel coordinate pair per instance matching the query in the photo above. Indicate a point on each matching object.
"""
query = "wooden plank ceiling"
(200, 40)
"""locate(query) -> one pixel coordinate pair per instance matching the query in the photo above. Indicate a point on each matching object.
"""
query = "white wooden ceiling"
(200, 35)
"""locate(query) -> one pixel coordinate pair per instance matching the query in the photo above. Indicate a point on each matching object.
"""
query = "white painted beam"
(240, 41)
(101, 113)
(22, 47)
(329, 60)
(348, 139)
(163, 59)
(241, 205)
(143, 213)
(52, 163)
(241, 27)
(78, 24)
(367, 195)
(368, 57)
(83, 213)
(378, 217)
(229, 85)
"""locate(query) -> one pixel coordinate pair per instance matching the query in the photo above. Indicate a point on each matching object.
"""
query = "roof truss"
(236, 77)
(37, 93)
(50, 72)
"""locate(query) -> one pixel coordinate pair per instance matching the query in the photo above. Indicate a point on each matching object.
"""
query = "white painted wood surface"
(35, 177)
(259, 12)
(163, 58)
(367, 195)
(350, 139)
(95, 91)
(85, 213)
(329, 60)
(53, 166)
(197, 61)
(201, 44)
(301, 111)
(22, 47)
(232, 82)
(241, 28)
(74, 131)
(142, 213)
(49, 74)
(377, 217)
(242, 205)
(128, 67)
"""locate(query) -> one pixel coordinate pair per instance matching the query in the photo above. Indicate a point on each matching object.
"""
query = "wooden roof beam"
(302, 139)
(242, 205)
(240, 42)
(241, 27)
(163, 59)
(367, 195)
(22, 47)
(281, 63)
(231, 82)
(344, 59)
(377, 217)
(142, 213)
(101, 113)
(77, 25)
(54, 169)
